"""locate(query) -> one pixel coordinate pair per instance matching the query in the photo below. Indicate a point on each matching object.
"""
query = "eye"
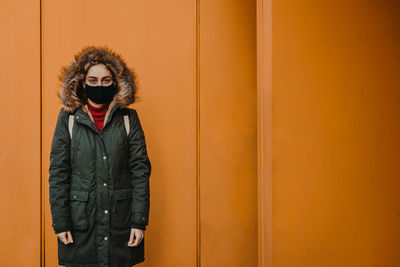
(92, 80)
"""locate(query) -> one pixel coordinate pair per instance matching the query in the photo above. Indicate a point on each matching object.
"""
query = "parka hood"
(72, 77)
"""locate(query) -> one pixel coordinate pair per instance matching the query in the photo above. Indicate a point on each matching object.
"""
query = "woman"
(99, 168)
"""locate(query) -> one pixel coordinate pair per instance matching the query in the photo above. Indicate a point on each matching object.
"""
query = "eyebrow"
(96, 77)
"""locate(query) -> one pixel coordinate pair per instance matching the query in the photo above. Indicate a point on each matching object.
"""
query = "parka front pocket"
(122, 207)
(78, 209)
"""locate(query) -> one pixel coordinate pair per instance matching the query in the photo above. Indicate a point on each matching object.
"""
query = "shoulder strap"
(71, 124)
(126, 121)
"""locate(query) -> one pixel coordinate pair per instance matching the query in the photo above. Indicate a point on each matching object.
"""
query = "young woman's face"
(98, 75)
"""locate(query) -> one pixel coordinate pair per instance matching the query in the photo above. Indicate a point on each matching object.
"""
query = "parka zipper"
(93, 126)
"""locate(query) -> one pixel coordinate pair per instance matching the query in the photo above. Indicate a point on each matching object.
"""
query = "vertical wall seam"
(42, 219)
(268, 129)
(264, 124)
(198, 225)
(260, 143)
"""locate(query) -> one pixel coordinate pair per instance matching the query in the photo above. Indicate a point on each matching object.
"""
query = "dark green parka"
(99, 180)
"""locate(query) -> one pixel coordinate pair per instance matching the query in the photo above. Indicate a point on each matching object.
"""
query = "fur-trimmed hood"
(72, 77)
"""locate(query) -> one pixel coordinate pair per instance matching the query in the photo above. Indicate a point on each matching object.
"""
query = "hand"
(66, 237)
(138, 234)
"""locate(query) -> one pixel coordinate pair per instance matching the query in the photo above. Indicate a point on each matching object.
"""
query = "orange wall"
(335, 133)
(334, 116)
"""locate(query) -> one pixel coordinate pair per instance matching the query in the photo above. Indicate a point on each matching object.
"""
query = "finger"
(63, 239)
(66, 237)
(70, 240)
(130, 242)
(136, 239)
(140, 239)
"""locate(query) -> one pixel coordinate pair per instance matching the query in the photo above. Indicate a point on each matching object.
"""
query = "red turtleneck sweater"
(98, 114)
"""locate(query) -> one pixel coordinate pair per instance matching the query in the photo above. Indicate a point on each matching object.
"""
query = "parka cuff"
(140, 218)
(64, 229)
(138, 226)
(62, 224)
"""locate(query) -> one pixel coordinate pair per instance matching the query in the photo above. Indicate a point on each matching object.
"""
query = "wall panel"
(335, 133)
(20, 196)
(228, 133)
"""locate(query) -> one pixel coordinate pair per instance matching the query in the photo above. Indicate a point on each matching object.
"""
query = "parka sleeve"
(139, 173)
(60, 174)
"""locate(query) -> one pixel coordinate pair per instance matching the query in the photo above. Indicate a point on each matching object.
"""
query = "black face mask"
(100, 94)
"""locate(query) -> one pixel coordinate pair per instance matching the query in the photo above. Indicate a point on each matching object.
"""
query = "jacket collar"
(84, 116)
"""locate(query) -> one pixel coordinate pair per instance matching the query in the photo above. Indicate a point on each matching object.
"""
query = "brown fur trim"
(72, 76)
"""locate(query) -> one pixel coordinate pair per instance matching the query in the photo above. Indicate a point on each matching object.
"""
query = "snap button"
(105, 184)
(74, 196)
(106, 211)
(104, 157)
(105, 238)
(77, 117)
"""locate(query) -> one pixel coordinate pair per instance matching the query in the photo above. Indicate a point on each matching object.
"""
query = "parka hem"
(95, 264)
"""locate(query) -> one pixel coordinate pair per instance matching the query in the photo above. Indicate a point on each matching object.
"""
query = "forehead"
(99, 70)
